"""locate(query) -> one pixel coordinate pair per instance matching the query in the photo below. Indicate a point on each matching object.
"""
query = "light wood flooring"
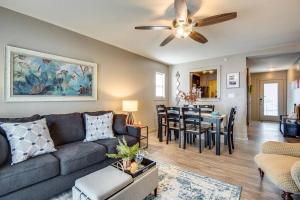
(238, 168)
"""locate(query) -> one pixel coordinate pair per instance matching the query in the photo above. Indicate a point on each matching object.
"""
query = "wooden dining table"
(217, 120)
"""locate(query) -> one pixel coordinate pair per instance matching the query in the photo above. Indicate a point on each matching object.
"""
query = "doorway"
(271, 99)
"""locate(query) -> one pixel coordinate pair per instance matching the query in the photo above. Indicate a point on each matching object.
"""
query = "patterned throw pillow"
(98, 127)
(28, 139)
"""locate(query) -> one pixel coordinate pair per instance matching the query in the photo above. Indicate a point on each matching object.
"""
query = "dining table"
(219, 121)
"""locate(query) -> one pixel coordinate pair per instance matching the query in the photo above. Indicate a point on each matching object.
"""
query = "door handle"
(261, 100)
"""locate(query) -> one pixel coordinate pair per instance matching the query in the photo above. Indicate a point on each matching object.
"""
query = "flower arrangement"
(191, 96)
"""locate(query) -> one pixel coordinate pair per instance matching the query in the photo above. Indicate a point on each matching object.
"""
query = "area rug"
(178, 184)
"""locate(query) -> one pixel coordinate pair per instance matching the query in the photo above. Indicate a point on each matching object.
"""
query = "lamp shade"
(130, 105)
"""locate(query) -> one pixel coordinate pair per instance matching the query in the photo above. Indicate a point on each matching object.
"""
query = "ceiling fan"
(184, 25)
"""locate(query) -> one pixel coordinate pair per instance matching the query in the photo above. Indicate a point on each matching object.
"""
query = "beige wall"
(255, 78)
(121, 74)
(293, 95)
(229, 97)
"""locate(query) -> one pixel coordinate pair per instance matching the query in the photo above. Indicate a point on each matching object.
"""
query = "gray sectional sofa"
(45, 176)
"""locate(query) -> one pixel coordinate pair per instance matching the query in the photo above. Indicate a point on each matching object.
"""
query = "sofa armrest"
(295, 172)
(281, 148)
(134, 131)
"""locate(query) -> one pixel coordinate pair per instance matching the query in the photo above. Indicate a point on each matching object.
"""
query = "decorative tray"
(142, 168)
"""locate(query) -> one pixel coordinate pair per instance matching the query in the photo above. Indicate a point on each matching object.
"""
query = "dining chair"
(208, 109)
(192, 125)
(161, 117)
(173, 123)
(227, 131)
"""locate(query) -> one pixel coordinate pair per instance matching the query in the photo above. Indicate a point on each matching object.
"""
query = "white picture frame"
(9, 78)
(233, 80)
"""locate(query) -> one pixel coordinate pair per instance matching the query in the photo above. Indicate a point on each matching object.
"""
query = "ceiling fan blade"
(167, 40)
(215, 19)
(181, 11)
(153, 27)
(198, 37)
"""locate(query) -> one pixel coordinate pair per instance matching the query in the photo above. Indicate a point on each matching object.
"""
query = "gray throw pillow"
(28, 139)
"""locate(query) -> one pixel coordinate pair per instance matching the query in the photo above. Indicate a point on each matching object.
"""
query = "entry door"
(271, 99)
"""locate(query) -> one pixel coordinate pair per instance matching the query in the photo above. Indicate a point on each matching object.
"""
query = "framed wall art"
(36, 76)
(233, 80)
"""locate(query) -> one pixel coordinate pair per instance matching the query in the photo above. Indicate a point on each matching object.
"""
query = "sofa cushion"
(65, 128)
(278, 169)
(28, 139)
(4, 150)
(110, 144)
(27, 173)
(78, 155)
(18, 120)
(119, 124)
(129, 139)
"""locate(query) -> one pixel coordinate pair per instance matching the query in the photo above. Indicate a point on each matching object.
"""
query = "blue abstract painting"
(34, 75)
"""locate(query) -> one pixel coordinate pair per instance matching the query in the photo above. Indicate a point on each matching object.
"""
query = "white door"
(271, 99)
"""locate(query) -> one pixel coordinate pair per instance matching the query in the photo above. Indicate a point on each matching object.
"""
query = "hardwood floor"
(238, 168)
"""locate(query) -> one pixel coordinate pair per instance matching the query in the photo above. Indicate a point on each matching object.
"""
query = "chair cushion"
(278, 169)
(66, 128)
(110, 144)
(27, 173)
(129, 139)
(4, 150)
(79, 155)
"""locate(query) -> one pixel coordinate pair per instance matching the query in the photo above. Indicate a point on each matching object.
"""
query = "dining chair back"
(187, 106)
(192, 124)
(173, 122)
(161, 119)
(207, 108)
(230, 125)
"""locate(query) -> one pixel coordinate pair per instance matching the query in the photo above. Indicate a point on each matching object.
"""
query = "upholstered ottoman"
(114, 184)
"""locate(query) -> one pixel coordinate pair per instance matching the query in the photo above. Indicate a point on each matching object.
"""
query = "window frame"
(163, 85)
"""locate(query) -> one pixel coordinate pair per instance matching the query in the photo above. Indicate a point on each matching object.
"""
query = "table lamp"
(130, 106)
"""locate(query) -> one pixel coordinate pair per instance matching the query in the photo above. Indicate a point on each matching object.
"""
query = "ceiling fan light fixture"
(183, 30)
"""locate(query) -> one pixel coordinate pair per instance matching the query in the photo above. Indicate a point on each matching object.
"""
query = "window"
(271, 99)
(160, 85)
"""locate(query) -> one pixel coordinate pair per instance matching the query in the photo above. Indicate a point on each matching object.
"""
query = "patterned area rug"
(178, 184)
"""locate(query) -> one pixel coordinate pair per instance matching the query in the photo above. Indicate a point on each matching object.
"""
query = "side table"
(143, 137)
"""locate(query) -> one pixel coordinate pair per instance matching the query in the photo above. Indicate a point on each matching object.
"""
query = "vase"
(126, 163)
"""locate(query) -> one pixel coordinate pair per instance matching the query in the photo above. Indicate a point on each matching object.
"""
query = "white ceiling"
(260, 24)
(273, 63)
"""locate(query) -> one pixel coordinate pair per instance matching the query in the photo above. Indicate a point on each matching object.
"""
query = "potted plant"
(125, 152)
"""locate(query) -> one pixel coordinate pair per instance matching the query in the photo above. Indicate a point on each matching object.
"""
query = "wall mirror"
(207, 81)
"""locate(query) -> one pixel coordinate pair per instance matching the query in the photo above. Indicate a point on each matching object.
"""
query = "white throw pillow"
(28, 139)
(98, 127)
